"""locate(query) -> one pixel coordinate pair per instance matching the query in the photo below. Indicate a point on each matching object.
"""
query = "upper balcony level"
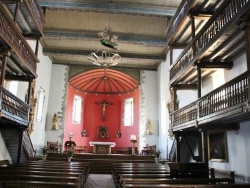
(210, 33)
(17, 21)
(228, 103)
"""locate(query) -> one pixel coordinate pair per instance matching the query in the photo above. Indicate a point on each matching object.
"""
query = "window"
(13, 87)
(77, 109)
(128, 112)
(40, 103)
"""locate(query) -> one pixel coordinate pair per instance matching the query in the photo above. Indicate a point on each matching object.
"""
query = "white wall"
(59, 78)
(4, 154)
(238, 141)
(43, 81)
(149, 109)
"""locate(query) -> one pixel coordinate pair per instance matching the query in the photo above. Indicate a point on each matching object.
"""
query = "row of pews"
(44, 174)
(153, 175)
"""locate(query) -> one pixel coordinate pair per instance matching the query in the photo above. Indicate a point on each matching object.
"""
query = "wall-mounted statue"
(149, 127)
(55, 122)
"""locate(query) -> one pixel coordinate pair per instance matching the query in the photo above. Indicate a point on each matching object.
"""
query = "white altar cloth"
(102, 147)
(111, 144)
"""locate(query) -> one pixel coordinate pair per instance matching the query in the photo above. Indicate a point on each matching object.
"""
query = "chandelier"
(105, 59)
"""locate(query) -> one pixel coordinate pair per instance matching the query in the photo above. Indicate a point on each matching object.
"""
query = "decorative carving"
(103, 132)
(33, 101)
(149, 127)
(170, 106)
(55, 122)
(84, 133)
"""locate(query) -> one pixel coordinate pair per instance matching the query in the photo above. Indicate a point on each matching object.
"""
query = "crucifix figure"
(104, 104)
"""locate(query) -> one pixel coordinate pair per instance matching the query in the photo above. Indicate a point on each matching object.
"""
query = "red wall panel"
(92, 118)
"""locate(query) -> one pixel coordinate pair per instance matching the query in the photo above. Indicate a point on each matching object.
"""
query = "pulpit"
(102, 147)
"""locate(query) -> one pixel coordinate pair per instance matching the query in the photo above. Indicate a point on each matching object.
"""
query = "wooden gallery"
(125, 93)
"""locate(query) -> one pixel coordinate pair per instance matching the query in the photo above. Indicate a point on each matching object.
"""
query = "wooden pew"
(136, 168)
(238, 185)
(52, 171)
(124, 181)
(17, 177)
(37, 184)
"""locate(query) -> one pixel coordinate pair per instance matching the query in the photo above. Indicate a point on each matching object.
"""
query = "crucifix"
(104, 104)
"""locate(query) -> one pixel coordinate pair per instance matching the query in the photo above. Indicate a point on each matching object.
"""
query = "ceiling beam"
(112, 7)
(72, 52)
(93, 35)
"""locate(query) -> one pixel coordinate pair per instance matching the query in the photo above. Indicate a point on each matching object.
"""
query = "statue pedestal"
(133, 146)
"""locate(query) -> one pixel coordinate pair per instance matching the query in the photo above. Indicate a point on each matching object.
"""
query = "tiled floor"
(99, 181)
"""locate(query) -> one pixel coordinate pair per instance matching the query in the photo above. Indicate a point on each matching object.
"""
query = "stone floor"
(99, 181)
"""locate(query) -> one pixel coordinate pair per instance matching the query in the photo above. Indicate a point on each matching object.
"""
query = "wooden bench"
(124, 150)
(40, 171)
(46, 184)
(238, 185)
(171, 181)
(149, 150)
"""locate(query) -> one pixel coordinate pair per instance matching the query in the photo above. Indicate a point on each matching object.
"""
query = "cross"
(104, 104)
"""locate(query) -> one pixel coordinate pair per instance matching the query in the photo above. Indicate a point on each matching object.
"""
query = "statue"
(104, 104)
(55, 122)
(149, 128)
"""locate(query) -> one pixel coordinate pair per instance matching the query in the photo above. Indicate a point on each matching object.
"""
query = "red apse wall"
(92, 119)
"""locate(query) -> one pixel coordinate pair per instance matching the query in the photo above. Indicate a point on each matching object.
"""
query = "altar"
(102, 147)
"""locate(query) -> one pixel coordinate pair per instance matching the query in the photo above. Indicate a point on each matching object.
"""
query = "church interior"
(115, 93)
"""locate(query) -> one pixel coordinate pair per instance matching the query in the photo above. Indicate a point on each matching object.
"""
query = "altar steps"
(102, 163)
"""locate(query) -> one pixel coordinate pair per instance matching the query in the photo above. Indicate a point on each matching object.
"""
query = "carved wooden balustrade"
(14, 39)
(28, 146)
(229, 102)
(228, 13)
(12, 108)
(186, 114)
(181, 13)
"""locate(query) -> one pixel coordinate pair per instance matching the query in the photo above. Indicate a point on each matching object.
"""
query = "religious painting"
(103, 132)
(217, 146)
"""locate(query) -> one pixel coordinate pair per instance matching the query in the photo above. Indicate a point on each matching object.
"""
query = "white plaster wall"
(163, 79)
(238, 153)
(165, 142)
(59, 74)
(43, 81)
(239, 67)
(238, 141)
(4, 154)
(149, 87)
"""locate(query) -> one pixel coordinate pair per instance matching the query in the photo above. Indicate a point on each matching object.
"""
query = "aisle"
(99, 181)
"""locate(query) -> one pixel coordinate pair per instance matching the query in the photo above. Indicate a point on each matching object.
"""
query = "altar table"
(102, 147)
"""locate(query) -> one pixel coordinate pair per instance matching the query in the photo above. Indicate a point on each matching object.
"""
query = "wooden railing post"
(204, 148)
(245, 25)
(6, 54)
(20, 145)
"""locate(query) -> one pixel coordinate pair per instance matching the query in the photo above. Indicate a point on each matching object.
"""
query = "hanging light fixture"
(108, 38)
(105, 59)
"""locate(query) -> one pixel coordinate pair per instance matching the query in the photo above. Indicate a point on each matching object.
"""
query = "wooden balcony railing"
(230, 94)
(186, 114)
(181, 13)
(28, 146)
(227, 14)
(36, 13)
(12, 108)
(14, 39)
(233, 93)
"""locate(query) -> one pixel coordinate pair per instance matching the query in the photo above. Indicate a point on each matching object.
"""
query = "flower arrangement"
(157, 154)
(70, 152)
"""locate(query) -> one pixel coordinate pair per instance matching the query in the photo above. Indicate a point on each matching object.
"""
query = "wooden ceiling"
(72, 26)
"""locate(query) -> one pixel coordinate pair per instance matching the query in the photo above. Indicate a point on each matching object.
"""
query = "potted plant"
(70, 153)
(157, 156)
